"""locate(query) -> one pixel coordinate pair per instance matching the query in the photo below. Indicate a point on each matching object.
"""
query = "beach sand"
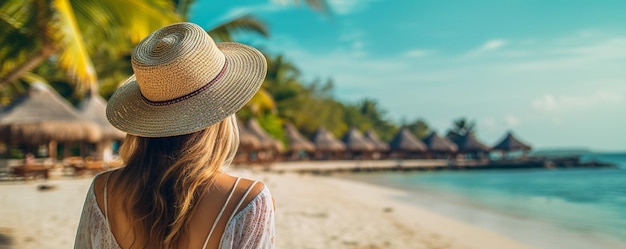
(312, 212)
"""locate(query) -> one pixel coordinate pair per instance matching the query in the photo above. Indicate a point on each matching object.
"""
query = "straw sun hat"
(184, 82)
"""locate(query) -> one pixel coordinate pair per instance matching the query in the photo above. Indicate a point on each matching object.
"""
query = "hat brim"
(242, 77)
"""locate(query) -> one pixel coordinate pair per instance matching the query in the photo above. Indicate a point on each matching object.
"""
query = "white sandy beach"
(312, 212)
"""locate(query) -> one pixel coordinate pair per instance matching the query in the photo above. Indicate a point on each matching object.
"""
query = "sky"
(553, 72)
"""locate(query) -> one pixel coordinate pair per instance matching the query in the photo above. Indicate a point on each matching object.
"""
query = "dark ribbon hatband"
(189, 95)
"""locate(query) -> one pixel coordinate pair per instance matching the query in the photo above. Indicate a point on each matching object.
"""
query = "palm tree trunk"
(43, 16)
(34, 61)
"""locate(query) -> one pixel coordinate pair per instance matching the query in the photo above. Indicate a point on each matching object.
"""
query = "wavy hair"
(164, 178)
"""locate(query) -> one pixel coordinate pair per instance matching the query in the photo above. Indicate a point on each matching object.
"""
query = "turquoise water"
(558, 208)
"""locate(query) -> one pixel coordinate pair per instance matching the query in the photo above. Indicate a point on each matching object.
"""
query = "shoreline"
(525, 228)
(312, 212)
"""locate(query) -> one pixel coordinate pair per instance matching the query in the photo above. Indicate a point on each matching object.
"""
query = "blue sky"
(554, 72)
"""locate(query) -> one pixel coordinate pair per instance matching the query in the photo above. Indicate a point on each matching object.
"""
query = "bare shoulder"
(99, 183)
(100, 180)
(252, 187)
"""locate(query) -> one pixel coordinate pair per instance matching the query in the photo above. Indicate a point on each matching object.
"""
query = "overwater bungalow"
(405, 145)
(511, 144)
(93, 108)
(270, 149)
(381, 148)
(357, 147)
(327, 147)
(471, 148)
(43, 123)
(299, 147)
(439, 147)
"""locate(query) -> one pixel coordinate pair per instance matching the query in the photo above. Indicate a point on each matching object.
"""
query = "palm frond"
(262, 102)
(182, 7)
(17, 38)
(319, 5)
(140, 18)
(74, 57)
(248, 23)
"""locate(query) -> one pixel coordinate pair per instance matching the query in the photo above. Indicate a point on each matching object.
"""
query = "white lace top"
(251, 228)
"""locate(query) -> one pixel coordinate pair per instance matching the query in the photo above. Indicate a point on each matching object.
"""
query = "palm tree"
(282, 84)
(118, 69)
(57, 30)
(461, 127)
(372, 112)
(419, 128)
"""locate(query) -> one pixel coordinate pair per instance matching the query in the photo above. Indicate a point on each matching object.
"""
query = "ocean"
(543, 208)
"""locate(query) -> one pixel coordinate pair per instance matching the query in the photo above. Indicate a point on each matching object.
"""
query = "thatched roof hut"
(469, 144)
(371, 136)
(406, 142)
(437, 144)
(41, 116)
(355, 141)
(297, 142)
(93, 108)
(266, 141)
(247, 139)
(325, 141)
(511, 143)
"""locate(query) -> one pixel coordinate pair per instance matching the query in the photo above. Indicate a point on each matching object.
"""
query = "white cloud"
(493, 44)
(579, 53)
(545, 103)
(490, 45)
(354, 40)
(511, 120)
(416, 53)
(610, 48)
(345, 7)
(280, 2)
(549, 102)
(252, 9)
(489, 123)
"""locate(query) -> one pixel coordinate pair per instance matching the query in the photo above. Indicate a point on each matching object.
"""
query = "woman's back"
(178, 110)
(251, 225)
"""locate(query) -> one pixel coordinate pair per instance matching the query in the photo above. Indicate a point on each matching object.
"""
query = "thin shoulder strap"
(221, 212)
(106, 205)
(241, 201)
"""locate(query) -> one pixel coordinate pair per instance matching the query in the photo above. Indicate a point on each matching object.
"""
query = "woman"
(178, 111)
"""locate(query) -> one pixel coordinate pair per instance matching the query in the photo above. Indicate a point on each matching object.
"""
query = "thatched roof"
(297, 142)
(266, 141)
(246, 138)
(355, 141)
(41, 116)
(435, 143)
(511, 143)
(93, 108)
(371, 136)
(469, 144)
(405, 141)
(325, 141)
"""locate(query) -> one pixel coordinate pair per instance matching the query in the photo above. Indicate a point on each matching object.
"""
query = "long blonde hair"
(164, 178)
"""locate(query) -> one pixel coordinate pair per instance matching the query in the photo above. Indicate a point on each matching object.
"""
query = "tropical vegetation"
(85, 45)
